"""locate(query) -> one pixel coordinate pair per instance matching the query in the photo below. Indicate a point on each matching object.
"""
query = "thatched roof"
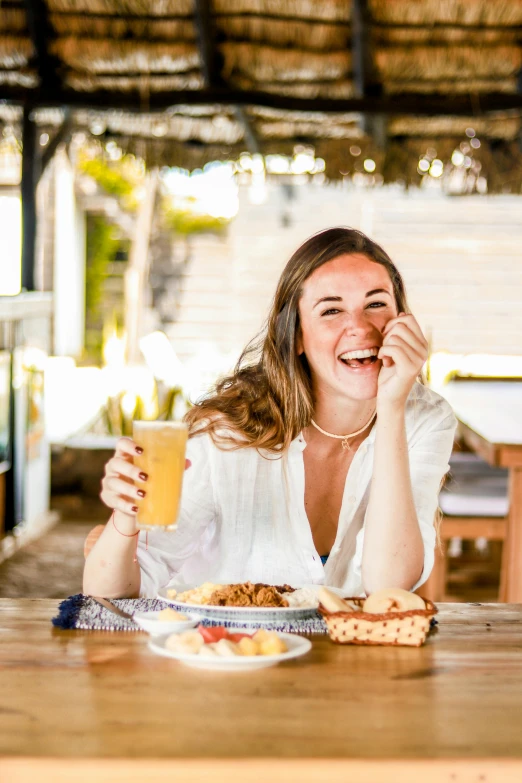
(167, 76)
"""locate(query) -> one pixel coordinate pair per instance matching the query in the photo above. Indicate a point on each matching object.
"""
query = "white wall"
(460, 257)
(69, 264)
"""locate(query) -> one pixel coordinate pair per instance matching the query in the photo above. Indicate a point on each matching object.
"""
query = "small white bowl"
(149, 622)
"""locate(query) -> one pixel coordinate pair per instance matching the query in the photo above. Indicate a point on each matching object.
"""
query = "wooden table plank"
(104, 696)
(492, 409)
(257, 771)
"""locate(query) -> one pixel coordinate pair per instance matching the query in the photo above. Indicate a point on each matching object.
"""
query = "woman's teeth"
(355, 359)
(357, 363)
(361, 354)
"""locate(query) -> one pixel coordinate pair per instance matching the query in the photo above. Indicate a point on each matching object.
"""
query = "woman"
(318, 461)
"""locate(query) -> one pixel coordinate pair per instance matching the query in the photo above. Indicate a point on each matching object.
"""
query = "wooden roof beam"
(415, 104)
(251, 138)
(62, 135)
(519, 91)
(211, 63)
(286, 18)
(363, 68)
(365, 77)
(41, 32)
(99, 15)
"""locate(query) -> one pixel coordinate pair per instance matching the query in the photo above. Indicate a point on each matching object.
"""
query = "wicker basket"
(391, 629)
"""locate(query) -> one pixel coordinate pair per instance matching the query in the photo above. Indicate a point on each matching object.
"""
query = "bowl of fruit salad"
(237, 649)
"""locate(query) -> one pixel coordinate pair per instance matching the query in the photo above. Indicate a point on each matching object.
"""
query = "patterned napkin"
(80, 612)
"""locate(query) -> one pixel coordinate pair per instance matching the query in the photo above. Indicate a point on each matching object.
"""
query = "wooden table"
(490, 421)
(94, 706)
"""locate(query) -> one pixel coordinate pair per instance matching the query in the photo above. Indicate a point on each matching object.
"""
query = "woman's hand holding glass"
(403, 353)
(124, 484)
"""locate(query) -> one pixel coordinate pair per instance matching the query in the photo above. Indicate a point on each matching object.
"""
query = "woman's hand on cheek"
(403, 353)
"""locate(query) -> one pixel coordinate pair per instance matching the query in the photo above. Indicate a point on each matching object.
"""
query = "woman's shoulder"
(425, 403)
(219, 440)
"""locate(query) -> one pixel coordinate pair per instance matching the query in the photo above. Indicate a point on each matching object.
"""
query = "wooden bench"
(474, 504)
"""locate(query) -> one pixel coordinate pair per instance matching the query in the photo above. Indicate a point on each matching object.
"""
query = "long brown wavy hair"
(267, 400)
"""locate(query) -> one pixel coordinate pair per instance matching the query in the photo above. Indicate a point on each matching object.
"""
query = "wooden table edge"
(258, 770)
(505, 455)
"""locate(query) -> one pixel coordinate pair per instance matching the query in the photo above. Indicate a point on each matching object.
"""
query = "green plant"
(103, 245)
(118, 178)
(186, 222)
(118, 418)
(108, 177)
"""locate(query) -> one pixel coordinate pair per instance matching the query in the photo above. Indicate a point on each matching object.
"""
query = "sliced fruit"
(247, 646)
(236, 637)
(213, 634)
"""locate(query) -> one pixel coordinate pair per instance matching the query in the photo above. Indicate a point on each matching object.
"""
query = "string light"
(436, 168)
(159, 129)
(457, 158)
(97, 127)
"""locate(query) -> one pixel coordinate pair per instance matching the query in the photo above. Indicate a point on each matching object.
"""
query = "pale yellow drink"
(163, 459)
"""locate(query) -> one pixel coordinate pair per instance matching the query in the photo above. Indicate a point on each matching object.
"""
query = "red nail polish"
(138, 450)
(144, 476)
(141, 493)
(135, 508)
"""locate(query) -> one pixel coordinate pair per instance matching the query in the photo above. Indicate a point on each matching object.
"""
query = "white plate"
(149, 622)
(297, 645)
(249, 615)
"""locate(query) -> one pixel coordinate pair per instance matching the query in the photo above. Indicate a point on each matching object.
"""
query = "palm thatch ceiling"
(187, 81)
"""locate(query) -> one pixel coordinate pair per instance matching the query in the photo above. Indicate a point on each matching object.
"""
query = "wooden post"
(212, 65)
(365, 76)
(510, 575)
(28, 190)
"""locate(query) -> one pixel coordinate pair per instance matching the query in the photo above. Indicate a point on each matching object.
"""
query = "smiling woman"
(321, 446)
(334, 266)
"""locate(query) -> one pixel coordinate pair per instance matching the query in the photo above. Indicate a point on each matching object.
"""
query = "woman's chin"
(353, 385)
(360, 390)
(360, 385)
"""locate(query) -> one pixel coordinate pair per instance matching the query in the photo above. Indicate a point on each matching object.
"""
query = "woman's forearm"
(110, 570)
(393, 552)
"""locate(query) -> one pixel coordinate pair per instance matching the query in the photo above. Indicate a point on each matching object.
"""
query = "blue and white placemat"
(80, 612)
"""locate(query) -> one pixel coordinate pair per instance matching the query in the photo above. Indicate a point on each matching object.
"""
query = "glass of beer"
(163, 459)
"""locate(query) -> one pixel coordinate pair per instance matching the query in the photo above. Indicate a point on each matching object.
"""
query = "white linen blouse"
(243, 516)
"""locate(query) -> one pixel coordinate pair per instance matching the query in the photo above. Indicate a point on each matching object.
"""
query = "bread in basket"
(349, 621)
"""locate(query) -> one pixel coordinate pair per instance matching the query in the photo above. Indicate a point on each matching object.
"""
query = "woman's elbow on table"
(128, 587)
(380, 581)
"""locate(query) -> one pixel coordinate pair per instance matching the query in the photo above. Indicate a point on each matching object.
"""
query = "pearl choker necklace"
(345, 438)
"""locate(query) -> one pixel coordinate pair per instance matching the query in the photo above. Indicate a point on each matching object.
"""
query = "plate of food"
(221, 649)
(245, 602)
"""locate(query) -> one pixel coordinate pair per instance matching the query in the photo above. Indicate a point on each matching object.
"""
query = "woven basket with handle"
(392, 629)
